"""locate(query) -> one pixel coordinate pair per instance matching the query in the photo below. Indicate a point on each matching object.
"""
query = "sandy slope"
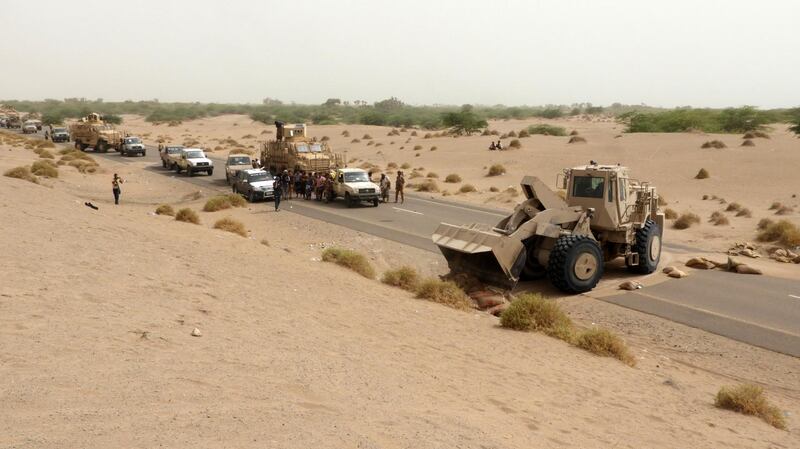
(96, 310)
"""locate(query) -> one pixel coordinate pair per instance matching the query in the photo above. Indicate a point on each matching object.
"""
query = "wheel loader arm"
(534, 188)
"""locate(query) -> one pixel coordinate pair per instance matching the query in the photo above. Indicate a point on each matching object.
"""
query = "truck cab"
(236, 163)
(194, 160)
(170, 155)
(354, 186)
(132, 145)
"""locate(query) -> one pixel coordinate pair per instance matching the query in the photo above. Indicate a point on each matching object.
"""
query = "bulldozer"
(92, 131)
(293, 150)
(604, 214)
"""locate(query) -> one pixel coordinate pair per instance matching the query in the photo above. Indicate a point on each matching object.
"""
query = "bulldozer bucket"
(481, 252)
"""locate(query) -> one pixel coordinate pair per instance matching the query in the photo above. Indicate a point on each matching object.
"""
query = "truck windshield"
(173, 150)
(587, 187)
(59, 130)
(316, 148)
(194, 154)
(302, 148)
(259, 177)
(359, 176)
(239, 160)
(133, 140)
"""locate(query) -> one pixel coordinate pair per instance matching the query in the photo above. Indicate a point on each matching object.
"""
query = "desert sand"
(97, 310)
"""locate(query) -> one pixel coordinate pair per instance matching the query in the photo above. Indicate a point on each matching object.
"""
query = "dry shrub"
(761, 134)
(606, 344)
(734, 206)
(165, 209)
(705, 197)
(686, 220)
(670, 214)
(391, 165)
(494, 189)
(231, 225)
(248, 136)
(405, 166)
(414, 133)
(775, 205)
(496, 170)
(417, 147)
(784, 232)
(371, 142)
(434, 148)
(748, 143)
(574, 132)
(576, 139)
(414, 174)
(515, 143)
(702, 174)
(44, 154)
(265, 242)
(714, 144)
(748, 135)
(404, 277)
(504, 136)
(533, 313)
(662, 200)
(512, 191)
(444, 292)
(467, 188)
(349, 259)
(194, 196)
(45, 168)
(366, 137)
(784, 210)
(355, 141)
(749, 399)
(433, 175)
(744, 212)
(429, 185)
(452, 178)
(22, 173)
(446, 192)
(84, 166)
(221, 202)
(325, 139)
(719, 219)
(346, 133)
(187, 215)
(523, 133)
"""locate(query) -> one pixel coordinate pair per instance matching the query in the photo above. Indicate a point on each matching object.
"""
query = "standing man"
(277, 190)
(399, 184)
(115, 184)
(385, 186)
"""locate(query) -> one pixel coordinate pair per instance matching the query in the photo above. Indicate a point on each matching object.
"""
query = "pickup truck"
(354, 185)
(29, 127)
(236, 163)
(170, 155)
(194, 160)
(255, 184)
(132, 146)
(59, 135)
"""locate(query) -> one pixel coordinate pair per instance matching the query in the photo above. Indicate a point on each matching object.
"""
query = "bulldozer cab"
(604, 188)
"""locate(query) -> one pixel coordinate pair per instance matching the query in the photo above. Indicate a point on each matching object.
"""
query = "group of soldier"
(301, 184)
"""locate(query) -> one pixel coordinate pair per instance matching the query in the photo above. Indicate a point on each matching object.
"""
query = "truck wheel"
(532, 269)
(575, 264)
(347, 200)
(144, 153)
(163, 163)
(211, 172)
(648, 246)
(177, 168)
(189, 172)
(375, 202)
(250, 197)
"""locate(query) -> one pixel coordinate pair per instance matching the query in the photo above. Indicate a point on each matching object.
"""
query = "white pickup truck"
(194, 160)
(354, 185)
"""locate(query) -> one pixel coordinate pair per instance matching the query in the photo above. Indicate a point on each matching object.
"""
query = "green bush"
(730, 120)
(547, 130)
(349, 259)
(532, 312)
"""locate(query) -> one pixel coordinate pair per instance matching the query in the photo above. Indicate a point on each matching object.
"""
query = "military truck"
(29, 127)
(236, 163)
(605, 214)
(12, 118)
(92, 131)
(292, 149)
(169, 155)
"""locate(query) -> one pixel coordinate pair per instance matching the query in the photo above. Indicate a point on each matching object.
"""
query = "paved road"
(759, 310)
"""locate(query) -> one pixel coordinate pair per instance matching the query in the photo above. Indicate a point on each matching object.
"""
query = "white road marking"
(406, 210)
(794, 296)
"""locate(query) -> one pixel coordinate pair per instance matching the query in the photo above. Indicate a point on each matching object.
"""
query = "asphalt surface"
(758, 310)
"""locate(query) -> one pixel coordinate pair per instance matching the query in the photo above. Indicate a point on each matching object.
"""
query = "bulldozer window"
(588, 187)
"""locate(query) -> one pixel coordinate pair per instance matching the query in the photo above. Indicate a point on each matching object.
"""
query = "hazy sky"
(660, 52)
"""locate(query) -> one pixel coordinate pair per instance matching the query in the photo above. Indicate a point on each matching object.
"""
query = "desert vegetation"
(702, 174)
(670, 214)
(467, 188)
(604, 343)
(23, 172)
(187, 215)
(165, 209)
(686, 220)
(783, 232)
(749, 399)
(730, 120)
(496, 170)
(453, 178)
(45, 168)
(444, 292)
(404, 277)
(231, 225)
(547, 130)
(221, 202)
(349, 259)
(718, 144)
(515, 143)
(576, 139)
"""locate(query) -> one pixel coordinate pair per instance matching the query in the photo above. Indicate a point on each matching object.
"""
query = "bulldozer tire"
(648, 246)
(575, 264)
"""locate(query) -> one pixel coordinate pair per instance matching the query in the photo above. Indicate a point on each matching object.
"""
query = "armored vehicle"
(293, 150)
(92, 131)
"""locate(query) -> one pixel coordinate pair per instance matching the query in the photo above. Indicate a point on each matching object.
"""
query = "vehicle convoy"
(132, 145)
(59, 135)
(170, 155)
(236, 163)
(605, 214)
(293, 150)
(255, 184)
(10, 116)
(354, 185)
(92, 131)
(29, 127)
(194, 160)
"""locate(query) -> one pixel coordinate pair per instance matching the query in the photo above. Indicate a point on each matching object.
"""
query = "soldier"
(492, 147)
(277, 190)
(499, 145)
(399, 183)
(385, 186)
(115, 183)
